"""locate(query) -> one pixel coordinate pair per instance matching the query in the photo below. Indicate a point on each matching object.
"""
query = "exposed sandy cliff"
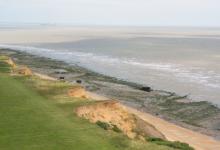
(114, 113)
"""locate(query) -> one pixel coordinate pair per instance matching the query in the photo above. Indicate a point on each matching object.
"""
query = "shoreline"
(197, 84)
(172, 132)
(126, 92)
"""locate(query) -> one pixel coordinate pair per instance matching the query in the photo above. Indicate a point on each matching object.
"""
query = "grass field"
(35, 115)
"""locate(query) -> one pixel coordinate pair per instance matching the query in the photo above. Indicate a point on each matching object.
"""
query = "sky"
(113, 12)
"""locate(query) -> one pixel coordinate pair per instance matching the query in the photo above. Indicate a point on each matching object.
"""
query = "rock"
(146, 89)
(79, 81)
(61, 78)
(60, 71)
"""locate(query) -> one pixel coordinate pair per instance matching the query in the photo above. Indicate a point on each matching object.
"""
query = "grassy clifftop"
(36, 116)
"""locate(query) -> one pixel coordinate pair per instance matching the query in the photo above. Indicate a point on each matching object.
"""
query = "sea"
(181, 60)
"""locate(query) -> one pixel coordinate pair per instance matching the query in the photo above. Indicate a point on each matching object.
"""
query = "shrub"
(151, 139)
(4, 68)
(116, 129)
(176, 144)
(103, 125)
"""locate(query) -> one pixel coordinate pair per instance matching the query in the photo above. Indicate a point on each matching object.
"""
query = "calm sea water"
(187, 65)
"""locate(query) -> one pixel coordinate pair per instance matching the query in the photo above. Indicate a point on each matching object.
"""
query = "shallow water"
(186, 65)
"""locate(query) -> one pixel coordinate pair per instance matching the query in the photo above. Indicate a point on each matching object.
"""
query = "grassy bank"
(36, 114)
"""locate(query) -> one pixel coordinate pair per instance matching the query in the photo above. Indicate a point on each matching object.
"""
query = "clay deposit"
(112, 112)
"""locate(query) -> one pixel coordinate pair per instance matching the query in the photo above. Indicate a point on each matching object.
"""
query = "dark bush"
(151, 139)
(103, 125)
(116, 129)
(176, 144)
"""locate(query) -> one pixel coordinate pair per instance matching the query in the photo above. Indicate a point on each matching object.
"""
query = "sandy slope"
(176, 133)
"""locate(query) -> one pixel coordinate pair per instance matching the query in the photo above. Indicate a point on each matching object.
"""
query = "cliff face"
(114, 113)
(10, 62)
(78, 92)
(21, 70)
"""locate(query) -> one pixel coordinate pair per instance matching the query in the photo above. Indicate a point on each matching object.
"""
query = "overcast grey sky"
(113, 12)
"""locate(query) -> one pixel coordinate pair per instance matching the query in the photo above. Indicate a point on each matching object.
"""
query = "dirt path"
(176, 133)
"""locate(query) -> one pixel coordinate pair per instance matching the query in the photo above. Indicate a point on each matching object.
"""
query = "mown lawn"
(30, 120)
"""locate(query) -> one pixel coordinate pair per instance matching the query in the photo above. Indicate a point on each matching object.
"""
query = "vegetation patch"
(176, 144)
(116, 129)
(103, 125)
(4, 68)
(108, 126)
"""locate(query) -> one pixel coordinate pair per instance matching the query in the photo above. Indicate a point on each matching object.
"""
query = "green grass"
(116, 129)
(31, 119)
(4, 68)
(175, 144)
